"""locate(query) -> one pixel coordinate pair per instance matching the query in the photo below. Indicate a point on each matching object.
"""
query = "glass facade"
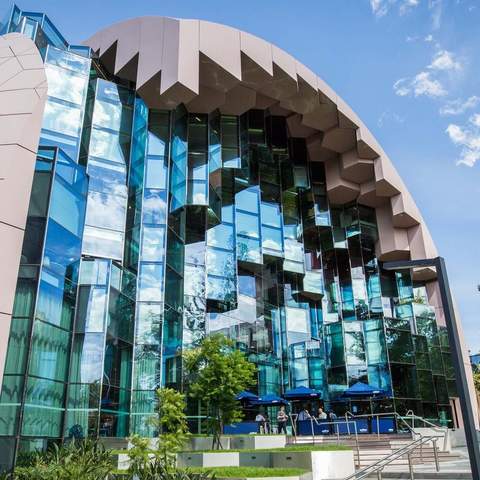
(148, 229)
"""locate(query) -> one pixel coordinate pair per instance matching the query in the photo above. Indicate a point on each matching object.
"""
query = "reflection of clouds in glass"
(150, 282)
(106, 210)
(102, 243)
(153, 243)
(194, 280)
(147, 368)
(60, 118)
(154, 208)
(107, 145)
(65, 85)
(96, 310)
(91, 359)
(107, 115)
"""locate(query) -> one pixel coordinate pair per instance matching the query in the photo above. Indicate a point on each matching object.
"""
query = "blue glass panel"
(155, 206)
(150, 281)
(153, 242)
(87, 358)
(156, 173)
(247, 224)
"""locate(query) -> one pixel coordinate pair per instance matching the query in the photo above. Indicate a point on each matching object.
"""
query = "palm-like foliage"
(86, 460)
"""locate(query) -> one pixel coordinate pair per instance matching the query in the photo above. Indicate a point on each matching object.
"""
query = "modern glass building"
(177, 178)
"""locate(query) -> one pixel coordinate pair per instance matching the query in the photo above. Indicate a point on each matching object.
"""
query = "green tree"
(171, 423)
(215, 373)
(476, 379)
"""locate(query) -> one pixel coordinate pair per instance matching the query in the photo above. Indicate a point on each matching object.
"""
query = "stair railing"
(379, 465)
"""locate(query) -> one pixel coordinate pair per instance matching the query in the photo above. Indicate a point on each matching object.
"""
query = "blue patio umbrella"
(301, 393)
(246, 396)
(270, 400)
(360, 389)
(363, 390)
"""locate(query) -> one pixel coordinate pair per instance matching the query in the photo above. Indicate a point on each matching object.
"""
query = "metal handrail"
(379, 465)
(391, 414)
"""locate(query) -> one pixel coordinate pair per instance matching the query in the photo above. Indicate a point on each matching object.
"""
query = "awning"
(300, 393)
(247, 396)
(270, 400)
(361, 389)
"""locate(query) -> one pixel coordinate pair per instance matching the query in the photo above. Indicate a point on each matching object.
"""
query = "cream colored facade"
(23, 92)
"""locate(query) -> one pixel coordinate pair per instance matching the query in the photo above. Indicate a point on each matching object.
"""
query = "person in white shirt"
(260, 419)
(321, 414)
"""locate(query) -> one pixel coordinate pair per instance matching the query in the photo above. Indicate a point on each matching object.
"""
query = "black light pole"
(456, 352)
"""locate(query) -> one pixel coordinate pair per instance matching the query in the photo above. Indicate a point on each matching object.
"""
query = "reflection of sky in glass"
(106, 211)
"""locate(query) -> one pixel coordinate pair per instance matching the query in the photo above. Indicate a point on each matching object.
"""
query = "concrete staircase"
(373, 448)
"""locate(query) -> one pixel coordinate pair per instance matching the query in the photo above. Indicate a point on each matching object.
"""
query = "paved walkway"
(450, 470)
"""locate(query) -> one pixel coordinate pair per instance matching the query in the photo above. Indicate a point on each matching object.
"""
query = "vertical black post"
(459, 366)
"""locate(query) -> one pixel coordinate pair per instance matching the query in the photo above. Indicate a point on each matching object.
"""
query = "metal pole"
(459, 366)
(435, 455)
(410, 467)
(456, 353)
(379, 475)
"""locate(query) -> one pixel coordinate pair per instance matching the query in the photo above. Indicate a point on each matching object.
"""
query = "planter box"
(220, 459)
(258, 441)
(255, 459)
(323, 465)
(205, 443)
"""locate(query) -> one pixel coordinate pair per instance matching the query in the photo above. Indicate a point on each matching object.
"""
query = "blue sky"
(409, 68)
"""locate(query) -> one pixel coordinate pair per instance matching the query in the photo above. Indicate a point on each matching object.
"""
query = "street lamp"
(456, 351)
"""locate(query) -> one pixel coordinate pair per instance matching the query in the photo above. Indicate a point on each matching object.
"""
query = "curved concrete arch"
(206, 66)
(23, 93)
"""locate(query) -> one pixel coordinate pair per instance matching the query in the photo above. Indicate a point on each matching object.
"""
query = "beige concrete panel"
(387, 179)
(368, 195)
(188, 55)
(297, 129)
(278, 110)
(151, 52)
(257, 50)
(339, 139)
(206, 101)
(253, 75)
(316, 153)
(24, 79)
(327, 94)
(128, 44)
(367, 146)
(405, 212)
(16, 174)
(5, 51)
(307, 75)
(222, 45)
(11, 240)
(20, 44)
(421, 242)
(392, 242)
(305, 100)
(5, 322)
(339, 191)
(239, 100)
(285, 62)
(15, 102)
(324, 117)
(29, 62)
(9, 69)
(263, 102)
(356, 169)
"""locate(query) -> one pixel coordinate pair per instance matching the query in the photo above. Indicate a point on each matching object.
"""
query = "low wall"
(330, 465)
(239, 442)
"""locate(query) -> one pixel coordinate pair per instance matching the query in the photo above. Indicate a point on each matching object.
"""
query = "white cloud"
(429, 38)
(459, 106)
(381, 7)
(468, 138)
(421, 85)
(445, 60)
(388, 116)
(406, 5)
(436, 7)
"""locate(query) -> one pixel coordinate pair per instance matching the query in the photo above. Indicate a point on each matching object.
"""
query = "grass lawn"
(242, 472)
(288, 448)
